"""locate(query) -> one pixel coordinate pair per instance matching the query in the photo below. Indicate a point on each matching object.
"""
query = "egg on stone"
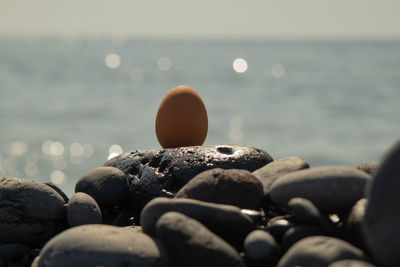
(181, 119)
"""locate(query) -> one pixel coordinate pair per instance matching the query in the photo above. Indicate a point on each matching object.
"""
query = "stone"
(30, 212)
(278, 226)
(59, 191)
(272, 171)
(83, 209)
(233, 187)
(107, 185)
(351, 263)
(382, 217)
(189, 243)
(369, 167)
(333, 189)
(261, 248)
(305, 212)
(161, 173)
(298, 232)
(319, 251)
(226, 221)
(101, 245)
(353, 224)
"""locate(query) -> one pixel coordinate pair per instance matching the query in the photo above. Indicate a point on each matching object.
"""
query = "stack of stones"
(207, 206)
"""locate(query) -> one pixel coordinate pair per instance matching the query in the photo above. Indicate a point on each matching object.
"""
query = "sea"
(68, 105)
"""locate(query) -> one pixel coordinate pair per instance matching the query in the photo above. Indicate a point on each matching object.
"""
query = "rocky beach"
(222, 205)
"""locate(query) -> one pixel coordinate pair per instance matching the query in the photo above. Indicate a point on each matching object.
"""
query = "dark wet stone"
(382, 217)
(351, 263)
(369, 167)
(13, 250)
(189, 243)
(278, 226)
(354, 224)
(101, 245)
(272, 171)
(30, 212)
(319, 251)
(233, 187)
(261, 248)
(83, 209)
(59, 191)
(107, 185)
(226, 221)
(296, 233)
(161, 173)
(333, 189)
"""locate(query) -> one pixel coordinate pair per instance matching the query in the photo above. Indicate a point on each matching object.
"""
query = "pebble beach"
(222, 205)
(290, 173)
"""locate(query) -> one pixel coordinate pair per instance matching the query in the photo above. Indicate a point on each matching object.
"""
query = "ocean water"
(66, 105)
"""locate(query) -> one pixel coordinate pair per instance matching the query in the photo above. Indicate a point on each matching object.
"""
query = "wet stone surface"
(161, 173)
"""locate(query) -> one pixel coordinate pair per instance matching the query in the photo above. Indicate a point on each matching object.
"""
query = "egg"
(181, 119)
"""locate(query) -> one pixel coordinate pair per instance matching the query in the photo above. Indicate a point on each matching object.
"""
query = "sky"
(237, 19)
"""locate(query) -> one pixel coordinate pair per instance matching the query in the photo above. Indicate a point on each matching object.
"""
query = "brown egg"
(181, 119)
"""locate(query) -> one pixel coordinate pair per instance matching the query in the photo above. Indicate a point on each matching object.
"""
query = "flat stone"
(30, 212)
(107, 185)
(319, 251)
(101, 245)
(333, 189)
(83, 209)
(382, 217)
(233, 187)
(272, 171)
(261, 248)
(226, 221)
(189, 243)
(351, 263)
(161, 173)
(369, 167)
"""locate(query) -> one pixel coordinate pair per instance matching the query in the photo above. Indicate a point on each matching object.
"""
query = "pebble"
(278, 226)
(161, 173)
(30, 212)
(233, 187)
(319, 251)
(101, 245)
(261, 248)
(353, 226)
(369, 167)
(83, 209)
(59, 191)
(305, 212)
(333, 189)
(226, 221)
(298, 232)
(351, 263)
(272, 171)
(107, 185)
(189, 243)
(382, 214)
